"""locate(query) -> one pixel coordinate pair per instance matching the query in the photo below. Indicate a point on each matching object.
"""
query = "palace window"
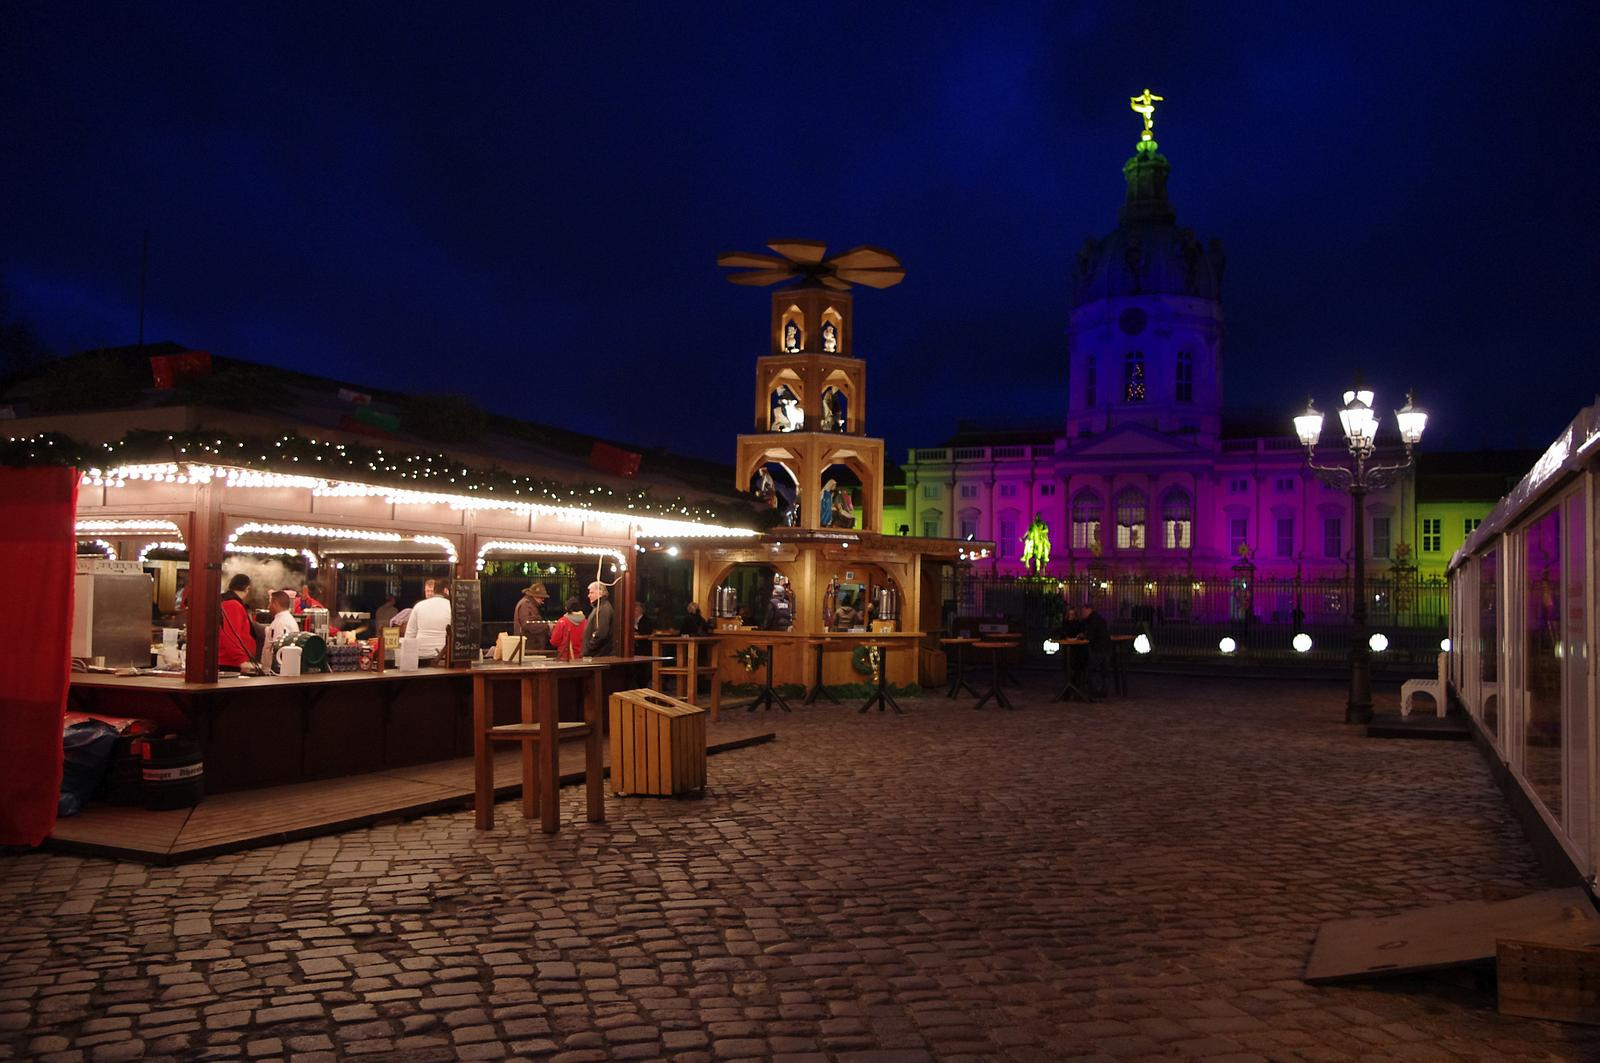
(1130, 519)
(1380, 536)
(1285, 536)
(1006, 543)
(969, 490)
(1008, 490)
(1470, 525)
(1088, 381)
(1133, 377)
(1432, 533)
(930, 490)
(969, 527)
(1185, 376)
(1284, 485)
(1239, 485)
(1177, 522)
(1085, 520)
(1238, 534)
(932, 522)
(1332, 537)
(1047, 490)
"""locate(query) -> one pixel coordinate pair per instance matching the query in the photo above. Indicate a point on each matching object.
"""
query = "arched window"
(1130, 519)
(1086, 515)
(1177, 519)
(1133, 377)
(1185, 377)
(1088, 381)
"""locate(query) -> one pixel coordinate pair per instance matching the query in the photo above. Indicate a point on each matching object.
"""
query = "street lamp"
(1360, 424)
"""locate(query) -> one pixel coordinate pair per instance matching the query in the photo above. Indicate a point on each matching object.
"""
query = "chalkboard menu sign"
(466, 620)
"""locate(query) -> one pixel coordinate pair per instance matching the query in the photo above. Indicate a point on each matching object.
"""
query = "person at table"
(528, 620)
(429, 622)
(283, 622)
(845, 616)
(599, 634)
(1098, 632)
(236, 642)
(566, 637)
(383, 616)
(642, 624)
(693, 624)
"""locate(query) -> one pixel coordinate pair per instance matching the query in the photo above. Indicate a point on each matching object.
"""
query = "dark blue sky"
(524, 205)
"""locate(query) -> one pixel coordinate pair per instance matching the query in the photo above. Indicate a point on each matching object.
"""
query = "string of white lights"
(619, 521)
(127, 525)
(557, 549)
(149, 548)
(111, 551)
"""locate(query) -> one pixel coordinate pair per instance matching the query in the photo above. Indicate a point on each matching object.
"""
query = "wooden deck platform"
(247, 819)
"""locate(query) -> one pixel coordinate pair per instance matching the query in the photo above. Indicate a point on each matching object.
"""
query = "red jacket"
(236, 643)
(566, 638)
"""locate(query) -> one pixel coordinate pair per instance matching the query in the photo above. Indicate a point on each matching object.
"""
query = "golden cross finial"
(1145, 104)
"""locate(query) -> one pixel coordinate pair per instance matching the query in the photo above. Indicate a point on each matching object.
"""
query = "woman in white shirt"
(429, 622)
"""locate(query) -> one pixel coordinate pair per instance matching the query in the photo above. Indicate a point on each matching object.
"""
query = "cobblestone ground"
(1135, 879)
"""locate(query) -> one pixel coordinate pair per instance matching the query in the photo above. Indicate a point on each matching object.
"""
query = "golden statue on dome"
(1145, 105)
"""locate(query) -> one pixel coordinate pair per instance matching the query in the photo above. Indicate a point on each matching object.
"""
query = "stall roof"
(1575, 448)
(232, 391)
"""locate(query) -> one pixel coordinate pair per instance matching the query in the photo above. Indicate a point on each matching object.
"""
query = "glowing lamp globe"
(1052, 646)
(1378, 642)
(1412, 421)
(1359, 422)
(1141, 643)
(1227, 645)
(1444, 645)
(1302, 643)
(1308, 426)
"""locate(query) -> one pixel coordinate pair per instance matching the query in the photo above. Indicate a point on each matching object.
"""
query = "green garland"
(294, 454)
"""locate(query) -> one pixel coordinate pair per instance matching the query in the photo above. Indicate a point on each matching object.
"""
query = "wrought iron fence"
(1190, 617)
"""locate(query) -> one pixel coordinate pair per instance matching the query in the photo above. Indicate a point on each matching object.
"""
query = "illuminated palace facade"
(1147, 480)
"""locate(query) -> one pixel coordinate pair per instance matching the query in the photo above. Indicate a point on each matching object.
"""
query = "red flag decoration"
(38, 553)
(608, 458)
(168, 369)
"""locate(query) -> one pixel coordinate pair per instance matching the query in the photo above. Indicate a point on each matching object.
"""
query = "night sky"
(525, 205)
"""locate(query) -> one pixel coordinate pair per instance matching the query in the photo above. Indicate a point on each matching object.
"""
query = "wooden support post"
(205, 584)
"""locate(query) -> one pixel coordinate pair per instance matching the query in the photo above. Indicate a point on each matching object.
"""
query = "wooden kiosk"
(809, 455)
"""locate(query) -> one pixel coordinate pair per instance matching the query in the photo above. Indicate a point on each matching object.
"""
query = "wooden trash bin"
(658, 745)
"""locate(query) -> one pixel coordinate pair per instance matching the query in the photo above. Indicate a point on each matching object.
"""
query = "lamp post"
(1358, 476)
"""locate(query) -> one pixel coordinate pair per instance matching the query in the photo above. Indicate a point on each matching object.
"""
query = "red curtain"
(38, 554)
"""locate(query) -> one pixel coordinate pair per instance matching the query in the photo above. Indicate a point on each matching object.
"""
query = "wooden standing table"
(684, 664)
(540, 734)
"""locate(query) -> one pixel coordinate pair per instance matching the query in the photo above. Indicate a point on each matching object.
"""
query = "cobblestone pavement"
(1135, 879)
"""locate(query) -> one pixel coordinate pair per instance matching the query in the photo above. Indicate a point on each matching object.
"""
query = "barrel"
(173, 773)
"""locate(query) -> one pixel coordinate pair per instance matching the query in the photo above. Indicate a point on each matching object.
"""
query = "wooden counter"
(271, 730)
(793, 660)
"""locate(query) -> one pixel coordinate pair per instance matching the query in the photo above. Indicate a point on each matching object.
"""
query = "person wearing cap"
(529, 621)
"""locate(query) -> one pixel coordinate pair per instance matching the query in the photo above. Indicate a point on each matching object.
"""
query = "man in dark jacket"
(599, 633)
(1098, 632)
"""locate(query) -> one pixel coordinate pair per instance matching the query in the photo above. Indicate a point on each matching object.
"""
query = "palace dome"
(1147, 253)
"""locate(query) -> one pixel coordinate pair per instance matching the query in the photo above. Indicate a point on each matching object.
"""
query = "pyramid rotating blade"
(834, 282)
(873, 278)
(809, 252)
(756, 278)
(864, 257)
(749, 260)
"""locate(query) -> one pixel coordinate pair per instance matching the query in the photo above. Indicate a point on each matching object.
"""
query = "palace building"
(1146, 478)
